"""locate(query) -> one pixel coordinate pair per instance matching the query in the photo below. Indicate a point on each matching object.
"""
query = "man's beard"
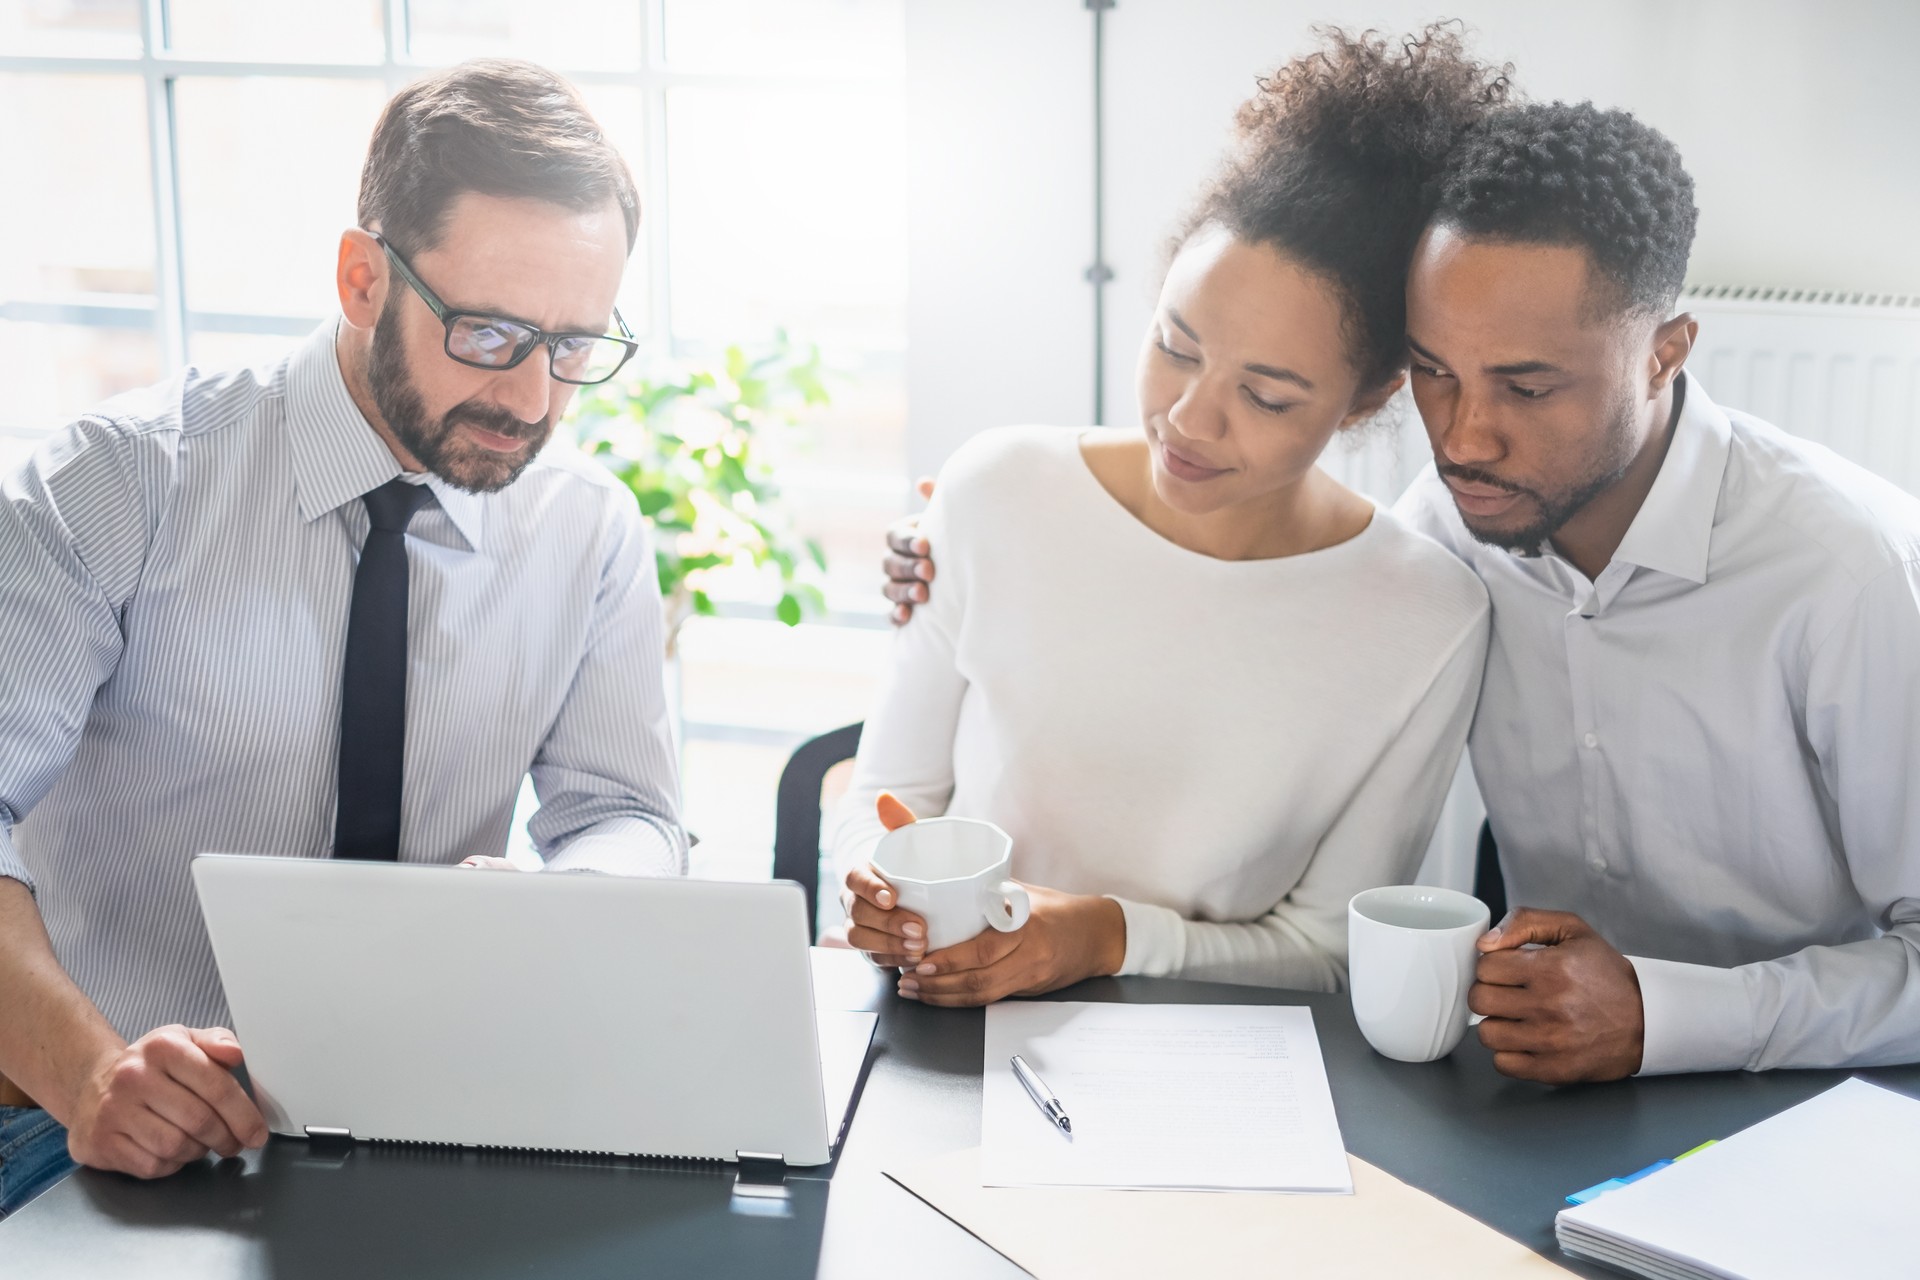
(1553, 510)
(436, 444)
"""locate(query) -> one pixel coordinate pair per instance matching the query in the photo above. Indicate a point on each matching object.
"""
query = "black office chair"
(1488, 884)
(796, 819)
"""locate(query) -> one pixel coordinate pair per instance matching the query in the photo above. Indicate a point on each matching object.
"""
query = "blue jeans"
(33, 1155)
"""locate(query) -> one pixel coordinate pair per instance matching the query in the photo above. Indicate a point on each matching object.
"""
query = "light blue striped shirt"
(175, 570)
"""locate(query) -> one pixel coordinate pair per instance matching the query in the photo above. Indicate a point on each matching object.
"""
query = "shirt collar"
(1673, 530)
(337, 457)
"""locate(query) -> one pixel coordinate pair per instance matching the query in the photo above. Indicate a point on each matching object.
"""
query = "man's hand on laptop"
(1560, 1003)
(162, 1102)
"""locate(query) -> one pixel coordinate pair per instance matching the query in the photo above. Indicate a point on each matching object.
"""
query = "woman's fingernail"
(1493, 935)
(923, 571)
(884, 898)
(908, 987)
(911, 929)
(926, 970)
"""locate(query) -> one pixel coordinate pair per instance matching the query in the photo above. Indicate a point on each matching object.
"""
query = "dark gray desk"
(1499, 1149)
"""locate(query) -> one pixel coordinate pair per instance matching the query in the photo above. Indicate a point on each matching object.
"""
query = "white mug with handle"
(1411, 960)
(954, 874)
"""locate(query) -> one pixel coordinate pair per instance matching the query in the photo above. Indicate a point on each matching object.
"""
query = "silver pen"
(1042, 1096)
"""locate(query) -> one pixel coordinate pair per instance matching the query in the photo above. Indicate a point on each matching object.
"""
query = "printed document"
(1161, 1096)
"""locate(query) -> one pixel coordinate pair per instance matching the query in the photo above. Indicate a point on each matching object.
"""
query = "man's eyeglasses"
(501, 342)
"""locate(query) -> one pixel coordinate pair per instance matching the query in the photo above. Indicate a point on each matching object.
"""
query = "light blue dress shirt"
(1709, 751)
(175, 571)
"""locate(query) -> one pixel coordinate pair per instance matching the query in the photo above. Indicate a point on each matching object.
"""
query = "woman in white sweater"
(1246, 700)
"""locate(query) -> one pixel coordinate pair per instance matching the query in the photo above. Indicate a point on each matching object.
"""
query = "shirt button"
(1597, 864)
(1592, 740)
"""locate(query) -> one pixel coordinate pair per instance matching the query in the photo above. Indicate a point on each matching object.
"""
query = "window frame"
(169, 312)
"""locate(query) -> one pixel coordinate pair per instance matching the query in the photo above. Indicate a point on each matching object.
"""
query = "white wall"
(1000, 218)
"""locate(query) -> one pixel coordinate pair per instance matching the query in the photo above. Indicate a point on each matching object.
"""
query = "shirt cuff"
(1697, 1017)
(1156, 939)
(622, 847)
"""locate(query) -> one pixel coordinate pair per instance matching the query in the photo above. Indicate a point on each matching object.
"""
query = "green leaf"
(817, 553)
(703, 604)
(788, 610)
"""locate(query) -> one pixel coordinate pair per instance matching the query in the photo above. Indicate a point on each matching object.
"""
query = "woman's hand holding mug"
(876, 923)
(978, 936)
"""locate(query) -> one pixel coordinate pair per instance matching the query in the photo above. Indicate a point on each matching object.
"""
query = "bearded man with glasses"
(334, 607)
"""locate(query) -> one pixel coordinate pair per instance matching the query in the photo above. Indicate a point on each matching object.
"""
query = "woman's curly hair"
(1335, 161)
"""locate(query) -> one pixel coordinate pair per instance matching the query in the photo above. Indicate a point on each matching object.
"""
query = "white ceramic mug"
(953, 873)
(1411, 959)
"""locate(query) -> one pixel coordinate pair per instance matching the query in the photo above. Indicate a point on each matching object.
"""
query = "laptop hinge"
(322, 1133)
(761, 1173)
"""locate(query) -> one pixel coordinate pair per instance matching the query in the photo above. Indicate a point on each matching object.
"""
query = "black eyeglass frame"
(539, 337)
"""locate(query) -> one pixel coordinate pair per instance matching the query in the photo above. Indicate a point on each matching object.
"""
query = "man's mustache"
(496, 421)
(1472, 476)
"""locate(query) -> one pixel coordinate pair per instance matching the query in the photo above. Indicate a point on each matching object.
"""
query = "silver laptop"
(652, 1017)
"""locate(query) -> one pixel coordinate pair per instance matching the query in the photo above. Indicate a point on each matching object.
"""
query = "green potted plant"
(697, 446)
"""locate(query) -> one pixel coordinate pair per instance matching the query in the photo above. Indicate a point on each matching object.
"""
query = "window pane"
(55, 372)
(622, 115)
(71, 28)
(269, 176)
(735, 672)
(787, 208)
(238, 350)
(861, 37)
(277, 30)
(89, 229)
(845, 482)
(597, 35)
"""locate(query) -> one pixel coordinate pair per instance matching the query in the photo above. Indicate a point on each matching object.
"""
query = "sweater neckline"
(1302, 559)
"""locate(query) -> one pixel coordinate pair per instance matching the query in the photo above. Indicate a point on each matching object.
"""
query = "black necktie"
(373, 694)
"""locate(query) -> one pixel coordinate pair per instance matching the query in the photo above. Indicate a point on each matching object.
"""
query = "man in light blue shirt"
(205, 651)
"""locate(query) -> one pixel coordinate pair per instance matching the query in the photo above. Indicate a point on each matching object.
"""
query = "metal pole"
(1099, 273)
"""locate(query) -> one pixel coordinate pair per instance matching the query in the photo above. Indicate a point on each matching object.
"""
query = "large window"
(179, 172)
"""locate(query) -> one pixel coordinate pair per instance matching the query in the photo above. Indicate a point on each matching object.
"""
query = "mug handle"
(1006, 905)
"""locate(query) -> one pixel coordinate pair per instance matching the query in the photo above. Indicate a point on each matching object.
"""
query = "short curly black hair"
(1572, 174)
(1334, 164)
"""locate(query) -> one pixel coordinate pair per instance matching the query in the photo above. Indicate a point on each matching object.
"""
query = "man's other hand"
(1563, 1009)
(164, 1101)
(908, 567)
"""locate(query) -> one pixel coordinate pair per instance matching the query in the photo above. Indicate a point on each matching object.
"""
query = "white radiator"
(1842, 369)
